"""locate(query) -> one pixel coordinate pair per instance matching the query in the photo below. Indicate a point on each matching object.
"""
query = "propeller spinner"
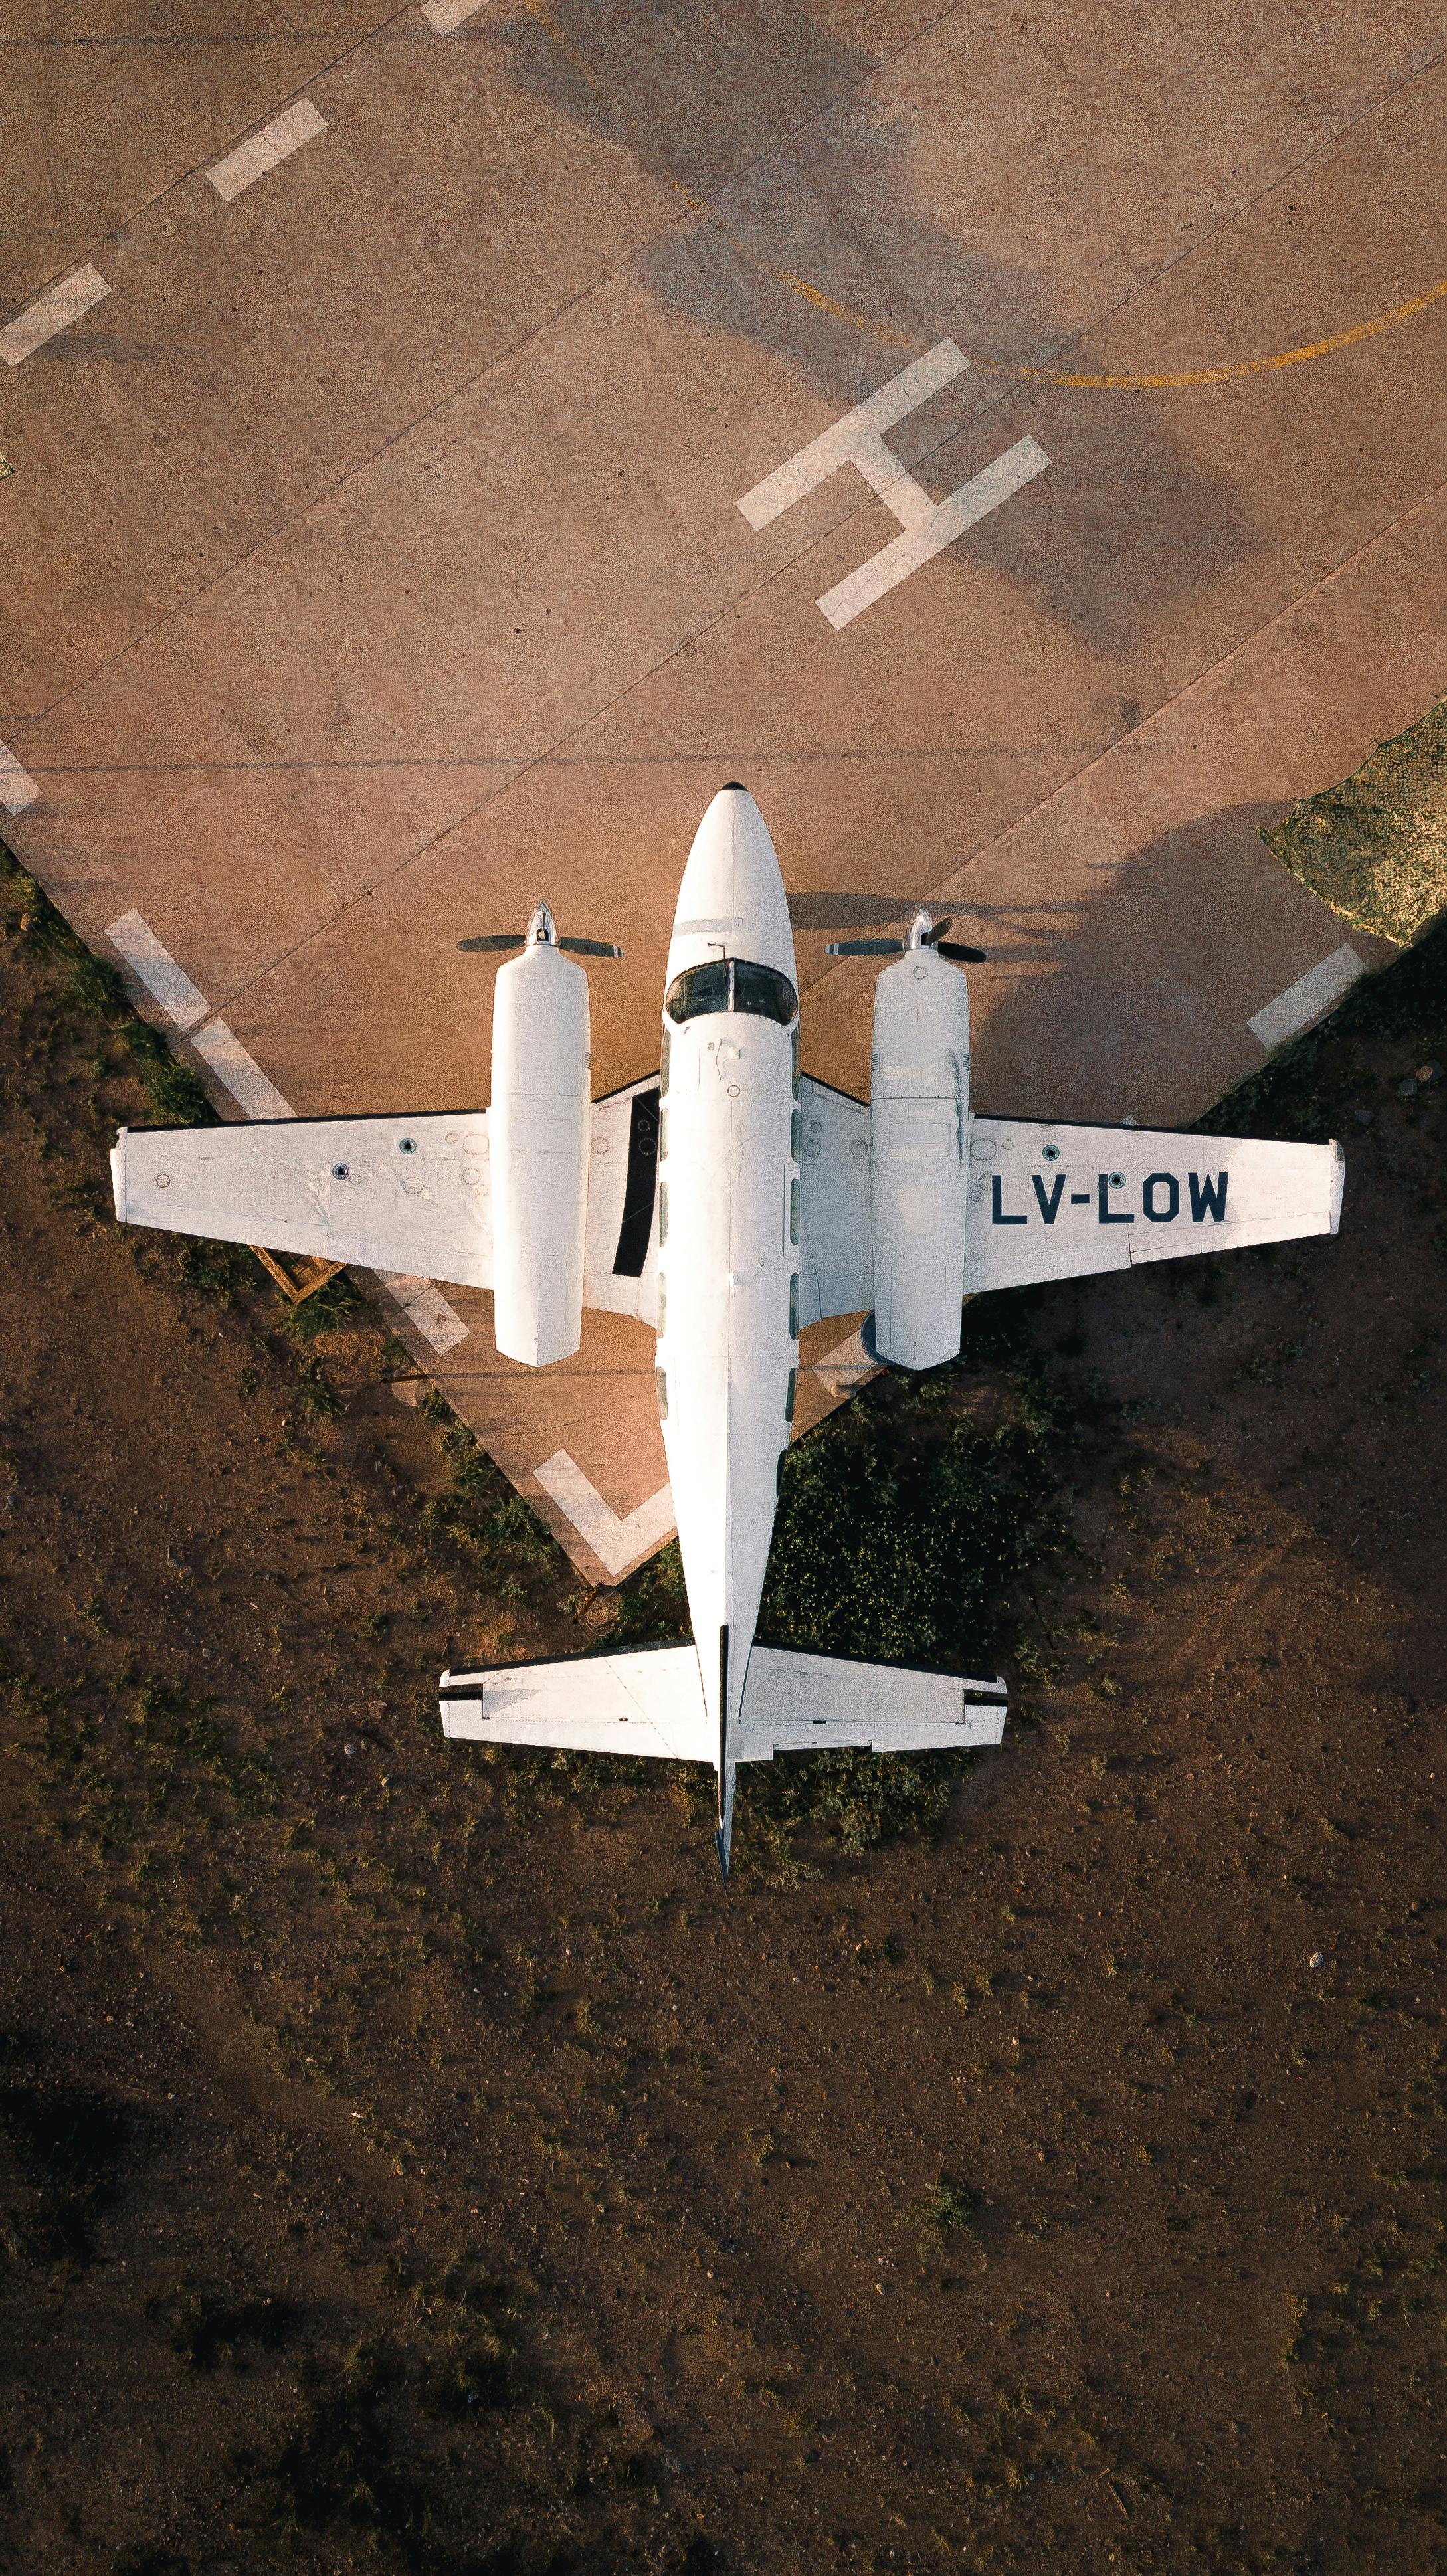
(541, 932)
(923, 932)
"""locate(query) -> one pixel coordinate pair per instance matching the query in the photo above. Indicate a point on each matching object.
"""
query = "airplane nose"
(732, 901)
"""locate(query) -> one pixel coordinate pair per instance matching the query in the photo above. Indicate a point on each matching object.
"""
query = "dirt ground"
(412, 2161)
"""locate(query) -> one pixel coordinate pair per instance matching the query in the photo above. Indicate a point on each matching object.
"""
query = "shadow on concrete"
(707, 106)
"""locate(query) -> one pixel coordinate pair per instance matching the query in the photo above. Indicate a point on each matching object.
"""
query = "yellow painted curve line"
(1180, 378)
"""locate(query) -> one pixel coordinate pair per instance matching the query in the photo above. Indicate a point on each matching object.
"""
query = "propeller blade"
(494, 939)
(591, 947)
(864, 948)
(938, 932)
(962, 956)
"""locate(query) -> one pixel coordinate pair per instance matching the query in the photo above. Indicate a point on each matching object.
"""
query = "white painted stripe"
(261, 152)
(17, 787)
(614, 1541)
(928, 536)
(444, 15)
(251, 1089)
(842, 1370)
(254, 1091)
(1308, 998)
(859, 430)
(156, 968)
(427, 1308)
(53, 311)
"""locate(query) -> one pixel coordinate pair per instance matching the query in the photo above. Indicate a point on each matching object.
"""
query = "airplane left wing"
(647, 1701)
(1053, 1201)
(836, 1271)
(401, 1194)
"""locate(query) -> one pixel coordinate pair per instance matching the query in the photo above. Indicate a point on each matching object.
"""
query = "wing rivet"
(341, 1171)
(163, 1180)
(1117, 1180)
(859, 1147)
(406, 1144)
(1049, 1153)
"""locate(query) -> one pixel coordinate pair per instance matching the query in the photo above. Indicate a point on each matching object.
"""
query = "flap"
(836, 1274)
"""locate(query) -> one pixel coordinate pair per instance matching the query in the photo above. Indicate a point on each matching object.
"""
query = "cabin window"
(797, 1093)
(732, 984)
(662, 1216)
(793, 1211)
(662, 1133)
(660, 1380)
(796, 1130)
(663, 1067)
(793, 1306)
(662, 1323)
(789, 1398)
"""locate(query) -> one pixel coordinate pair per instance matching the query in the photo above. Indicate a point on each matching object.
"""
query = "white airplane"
(729, 1201)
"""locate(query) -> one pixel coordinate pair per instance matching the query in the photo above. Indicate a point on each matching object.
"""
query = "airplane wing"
(796, 1703)
(393, 1193)
(1051, 1201)
(836, 1275)
(647, 1702)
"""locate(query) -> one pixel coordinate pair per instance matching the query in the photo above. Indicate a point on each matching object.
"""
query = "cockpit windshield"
(731, 984)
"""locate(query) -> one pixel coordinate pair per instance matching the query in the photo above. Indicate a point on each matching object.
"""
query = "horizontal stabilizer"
(795, 1703)
(646, 1702)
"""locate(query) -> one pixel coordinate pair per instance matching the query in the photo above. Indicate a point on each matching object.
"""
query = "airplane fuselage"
(728, 1240)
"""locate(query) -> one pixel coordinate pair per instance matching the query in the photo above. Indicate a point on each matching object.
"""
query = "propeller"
(541, 932)
(923, 932)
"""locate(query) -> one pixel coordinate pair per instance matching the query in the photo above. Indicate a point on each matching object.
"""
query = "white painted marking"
(254, 1091)
(846, 1368)
(53, 311)
(1308, 998)
(156, 968)
(261, 152)
(251, 1089)
(427, 1308)
(17, 787)
(444, 15)
(926, 526)
(614, 1541)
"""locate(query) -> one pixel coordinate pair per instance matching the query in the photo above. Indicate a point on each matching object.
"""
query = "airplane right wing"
(1055, 1201)
(797, 1703)
(836, 1270)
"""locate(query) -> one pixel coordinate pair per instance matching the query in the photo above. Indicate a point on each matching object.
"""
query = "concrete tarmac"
(375, 558)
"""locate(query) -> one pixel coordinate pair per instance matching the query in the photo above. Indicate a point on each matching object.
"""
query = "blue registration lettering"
(1208, 1197)
(997, 1213)
(1107, 1214)
(1049, 1200)
(1168, 1182)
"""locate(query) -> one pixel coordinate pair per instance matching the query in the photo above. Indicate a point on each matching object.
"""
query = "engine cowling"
(539, 1127)
(919, 1101)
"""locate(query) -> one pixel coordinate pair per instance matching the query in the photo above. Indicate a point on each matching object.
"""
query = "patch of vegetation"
(1375, 848)
(945, 2209)
(209, 2329)
(511, 1551)
(175, 1093)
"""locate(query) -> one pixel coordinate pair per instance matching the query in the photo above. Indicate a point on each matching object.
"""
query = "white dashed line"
(1308, 998)
(427, 1308)
(250, 1088)
(17, 787)
(54, 311)
(841, 1371)
(156, 968)
(926, 526)
(261, 152)
(615, 1542)
(218, 1046)
(444, 15)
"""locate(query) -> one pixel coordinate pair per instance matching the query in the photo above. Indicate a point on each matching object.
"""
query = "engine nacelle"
(539, 1127)
(919, 1102)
